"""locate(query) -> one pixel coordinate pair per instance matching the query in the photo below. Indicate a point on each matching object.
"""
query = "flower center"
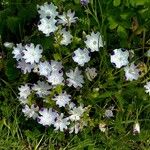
(82, 57)
(131, 71)
(33, 53)
(94, 42)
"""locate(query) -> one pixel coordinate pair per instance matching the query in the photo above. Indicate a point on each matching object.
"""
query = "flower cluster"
(120, 58)
(27, 56)
(50, 20)
(53, 74)
(50, 116)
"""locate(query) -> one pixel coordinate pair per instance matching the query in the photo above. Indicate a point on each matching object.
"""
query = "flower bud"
(136, 128)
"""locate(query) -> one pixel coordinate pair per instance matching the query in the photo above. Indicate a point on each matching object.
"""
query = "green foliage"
(11, 71)
(123, 23)
(116, 2)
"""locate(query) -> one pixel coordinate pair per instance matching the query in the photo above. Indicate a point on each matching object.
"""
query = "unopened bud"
(136, 128)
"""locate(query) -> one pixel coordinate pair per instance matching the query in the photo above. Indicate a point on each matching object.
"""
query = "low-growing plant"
(74, 74)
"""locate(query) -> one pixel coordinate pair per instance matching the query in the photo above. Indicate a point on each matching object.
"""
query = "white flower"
(44, 68)
(119, 57)
(108, 113)
(23, 100)
(18, 51)
(47, 10)
(42, 88)
(32, 54)
(94, 41)
(8, 44)
(136, 128)
(56, 66)
(52, 70)
(56, 78)
(76, 113)
(81, 56)
(47, 117)
(62, 99)
(66, 37)
(67, 18)
(61, 123)
(102, 127)
(24, 91)
(30, 112)
(71, 105)
(25, 67)
(84, 2)
(91, 73)
(132, 72)
(47, 26)
(147, 87)
(75, 128)
(75, 78)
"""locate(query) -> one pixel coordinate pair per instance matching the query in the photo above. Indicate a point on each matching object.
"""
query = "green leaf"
(13, 24)
(57, 56)
(27, 13)
(138, 2)
(32, 134)
(112, 23)
(58, 88)
(116, 3)
(122, 32)
(11, 71)
(125, 15)
(77, 1)
(46, 42)
(119, 99)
